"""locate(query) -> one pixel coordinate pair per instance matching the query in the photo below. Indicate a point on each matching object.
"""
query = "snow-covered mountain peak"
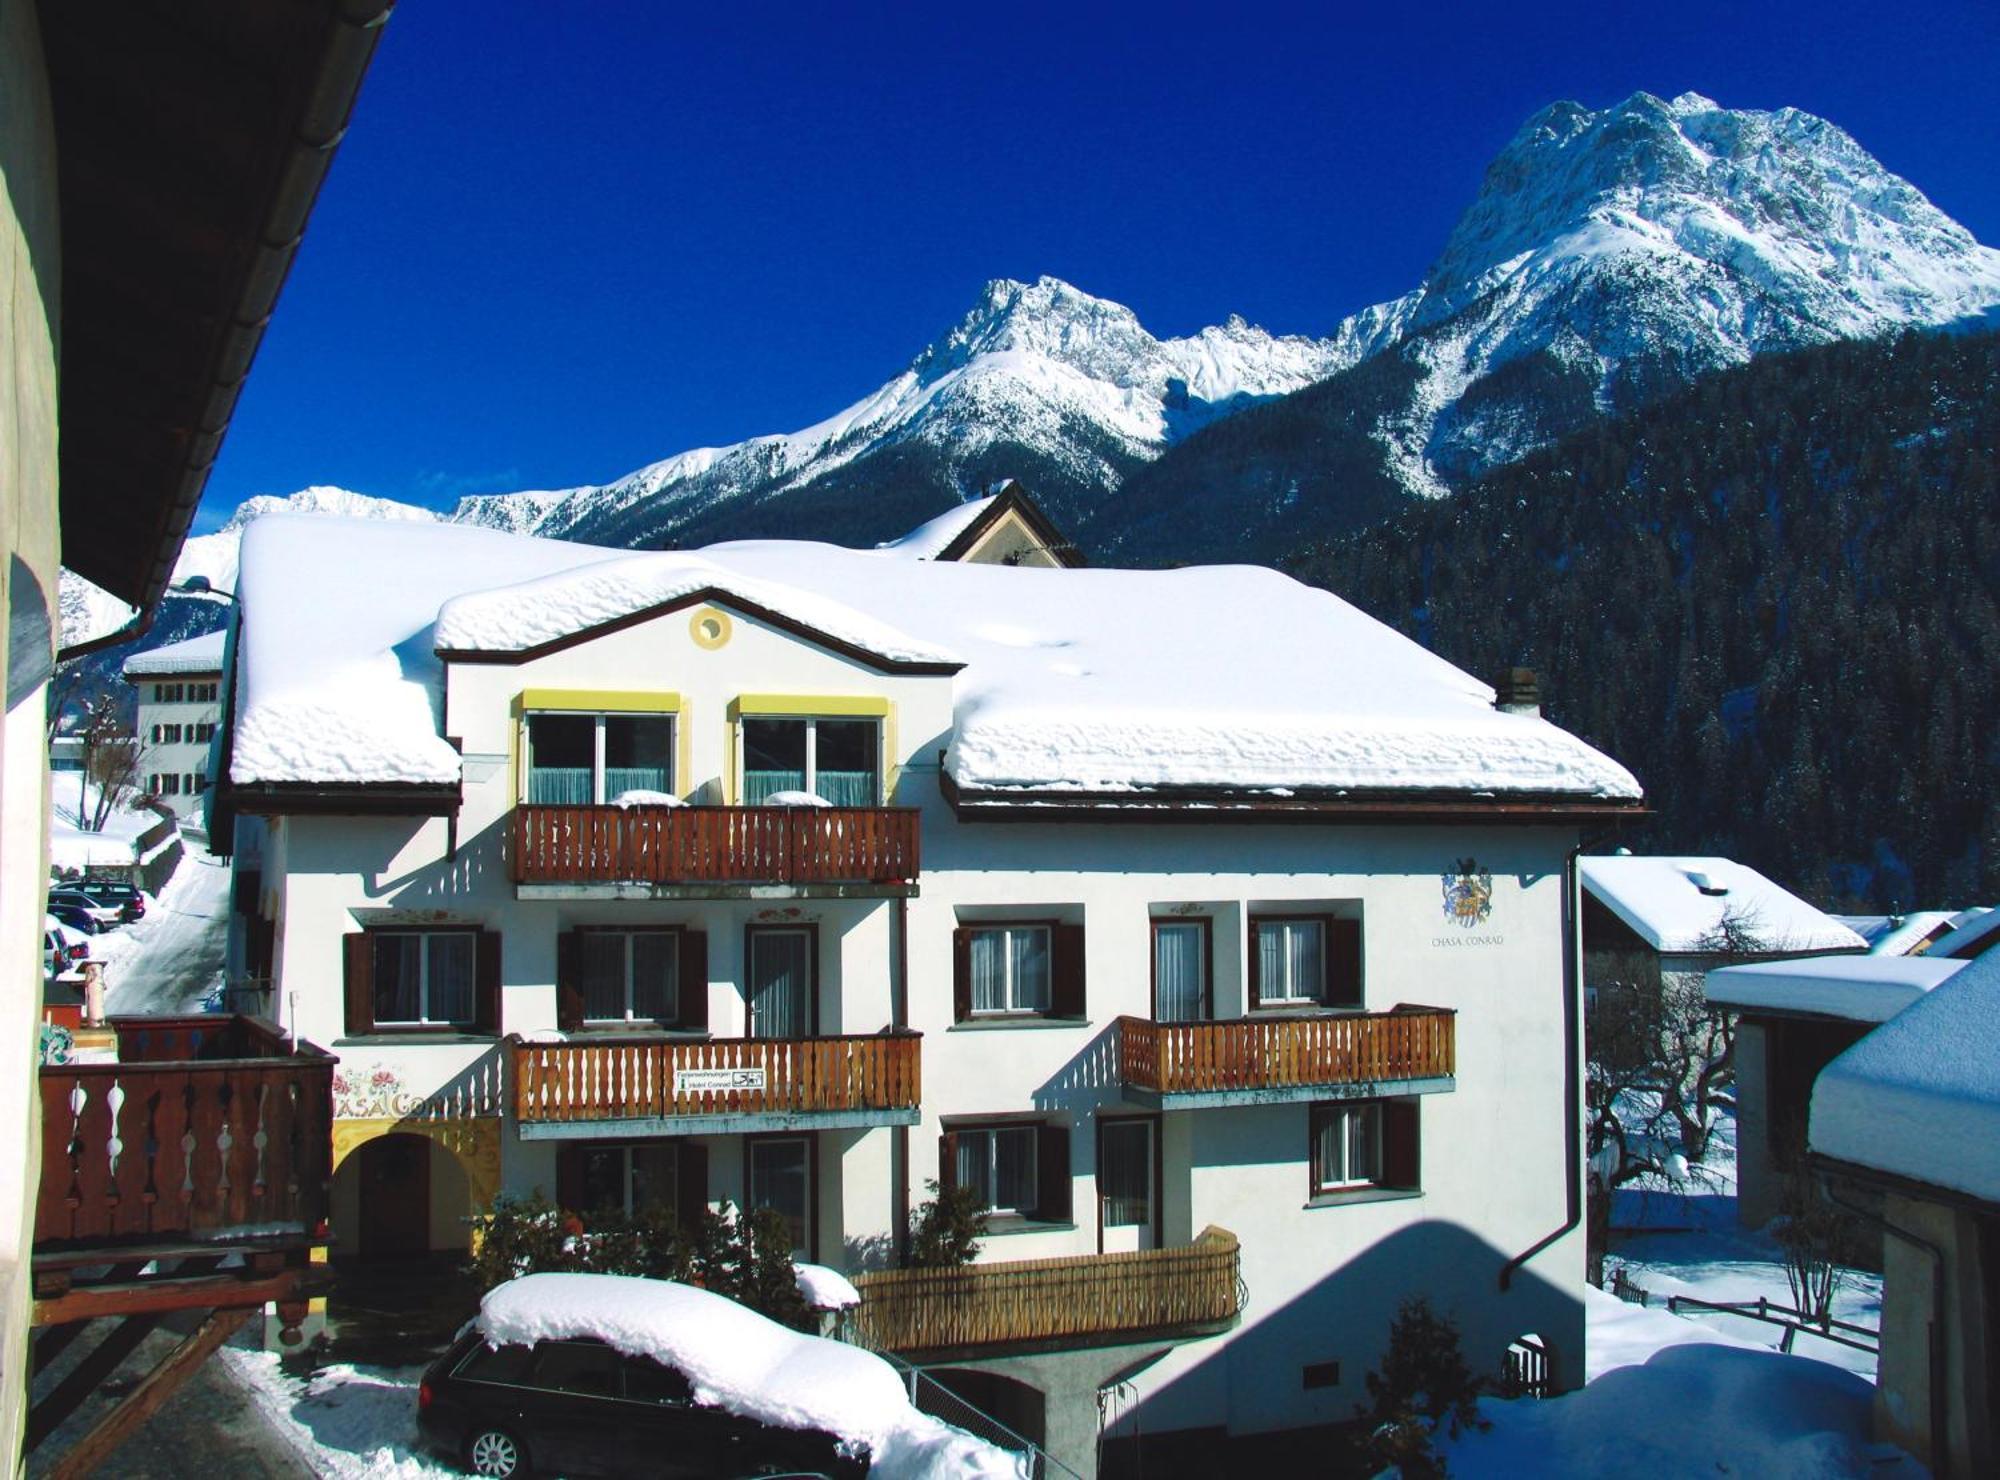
(323, 498)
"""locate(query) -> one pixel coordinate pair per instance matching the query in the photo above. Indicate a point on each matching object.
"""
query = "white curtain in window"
(758, 785)
(559, 786)
(399, 976)
(1288, 959)
(989, 971)
(848, 788)
(1125, 1180)
(1030, 951)
(656, 975)
(975, 1164)
(779, 982)
(1014, 1170)
(1177, 967)
(1361, 1146)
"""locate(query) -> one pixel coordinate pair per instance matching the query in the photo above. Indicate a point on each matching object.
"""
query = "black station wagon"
(583, 1408)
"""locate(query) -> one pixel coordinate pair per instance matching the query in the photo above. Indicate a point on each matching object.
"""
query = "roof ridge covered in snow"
(1227, 679)
(1857, 989)
(201, 654)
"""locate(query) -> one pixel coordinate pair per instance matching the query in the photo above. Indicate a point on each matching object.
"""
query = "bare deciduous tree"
(111, 761)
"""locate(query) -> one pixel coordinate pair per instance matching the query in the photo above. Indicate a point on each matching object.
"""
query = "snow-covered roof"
(201, 654)
(1920, 1096)
(1898, 935)
(1234, 678)
(1860, 989)
(934, 536)
(741, 1361)
(1678, 904)
(1972, 937)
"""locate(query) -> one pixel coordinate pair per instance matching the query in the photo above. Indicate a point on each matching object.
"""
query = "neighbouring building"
(1655, 917)
(1911, 1115)
(1794, 1018)
(157, 165)
(1909, 934)
(1222, 939)
(178, 687)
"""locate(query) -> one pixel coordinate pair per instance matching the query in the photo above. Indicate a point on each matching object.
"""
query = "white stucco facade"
(1322, 1275)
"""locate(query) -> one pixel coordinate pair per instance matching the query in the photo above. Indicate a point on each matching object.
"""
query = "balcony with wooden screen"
(677, 1086)
(185, 1167)
(1279, 1059)
(1026, 1305)
(667, 852)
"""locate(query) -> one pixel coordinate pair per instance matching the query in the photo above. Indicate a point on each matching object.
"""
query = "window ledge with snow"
(1350, 1196)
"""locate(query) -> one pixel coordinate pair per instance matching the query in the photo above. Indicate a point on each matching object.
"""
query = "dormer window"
(582, 759)
(836, 759)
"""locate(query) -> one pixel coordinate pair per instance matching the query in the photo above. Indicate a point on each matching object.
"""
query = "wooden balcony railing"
(1091, 1297)
(715, 845)
(659, 1079)
(1246, 1054)
(207, 1127)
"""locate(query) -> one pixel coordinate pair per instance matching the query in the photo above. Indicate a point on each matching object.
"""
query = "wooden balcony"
(665, 1086)
(1252, 1061)
(189, 1175)
(655, 852)
(1028, 1304)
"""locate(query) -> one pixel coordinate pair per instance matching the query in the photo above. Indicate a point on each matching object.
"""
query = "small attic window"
(1706, 884)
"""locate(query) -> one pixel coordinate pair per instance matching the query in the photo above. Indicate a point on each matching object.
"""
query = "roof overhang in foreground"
(192, 139)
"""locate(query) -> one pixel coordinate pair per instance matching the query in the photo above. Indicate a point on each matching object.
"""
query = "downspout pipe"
(1572, 1074)
(1940, 1458)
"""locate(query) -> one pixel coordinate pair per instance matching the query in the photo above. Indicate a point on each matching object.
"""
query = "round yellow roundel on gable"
(709, 627)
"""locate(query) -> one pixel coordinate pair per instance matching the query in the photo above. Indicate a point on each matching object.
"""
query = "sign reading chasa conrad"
(710, 1081)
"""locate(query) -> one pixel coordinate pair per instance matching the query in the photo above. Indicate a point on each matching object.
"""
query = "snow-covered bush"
(745, 1256)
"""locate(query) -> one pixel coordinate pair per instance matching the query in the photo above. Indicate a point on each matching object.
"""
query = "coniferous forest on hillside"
(1774, 595)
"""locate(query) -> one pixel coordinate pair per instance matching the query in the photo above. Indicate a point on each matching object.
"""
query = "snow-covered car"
(107, 916)
(79, 920)
(606, 1374)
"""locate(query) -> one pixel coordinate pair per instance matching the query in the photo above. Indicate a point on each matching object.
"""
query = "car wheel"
(497, 1454)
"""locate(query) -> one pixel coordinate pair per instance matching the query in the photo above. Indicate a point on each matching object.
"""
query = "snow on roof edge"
(1859, 989)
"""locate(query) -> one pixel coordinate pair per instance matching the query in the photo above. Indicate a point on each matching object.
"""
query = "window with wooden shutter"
(693, 986)
(1402, 1144)
(569, 980)
(358, 965)
(486, 1001)
(1343, 963)
(569, 1178)
(948, 1160)
(961, 974)
(1066, 997)
(692, 1200)
(1052, 1169)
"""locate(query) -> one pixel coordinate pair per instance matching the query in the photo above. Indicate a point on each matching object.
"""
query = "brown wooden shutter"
(947, 1160)
(1066, 971)
(486, 998)
(569, 1178)
(1253, 978)
(1343, 963)
(961, 974)
(358, 964)
(1052, 1173)
(691, 1175)
(1402, 1164)
(569, 980)
(693, 981)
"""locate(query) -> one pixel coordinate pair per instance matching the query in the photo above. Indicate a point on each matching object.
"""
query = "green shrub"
(945, 1230)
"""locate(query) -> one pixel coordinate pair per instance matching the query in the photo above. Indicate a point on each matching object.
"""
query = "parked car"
(582, 1407)
(76, 918)
(130, 901)
(63, 949)
(106, 916)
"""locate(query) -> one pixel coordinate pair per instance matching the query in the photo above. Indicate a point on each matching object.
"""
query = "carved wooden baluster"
(260, 1142)
(114, 1147)
(78, 1098)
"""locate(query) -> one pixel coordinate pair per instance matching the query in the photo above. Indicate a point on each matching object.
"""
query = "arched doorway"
(393, 1196)
(1019, 1407)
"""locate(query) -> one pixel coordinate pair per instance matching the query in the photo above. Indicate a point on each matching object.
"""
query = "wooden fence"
(186, 1147)
(1189, 1290)
(649, 1079)
(715, 845)
(1288, 1052)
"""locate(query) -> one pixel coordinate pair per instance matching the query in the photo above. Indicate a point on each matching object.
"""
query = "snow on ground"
(172, 960)
(72, 799)
(347, 1422)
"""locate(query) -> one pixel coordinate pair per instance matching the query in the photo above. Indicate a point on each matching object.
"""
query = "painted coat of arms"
(1468, 894)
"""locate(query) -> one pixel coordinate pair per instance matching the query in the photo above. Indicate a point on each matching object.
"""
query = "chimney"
(1516, 692)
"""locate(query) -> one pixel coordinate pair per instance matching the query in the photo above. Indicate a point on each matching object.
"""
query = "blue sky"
(562, 241)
